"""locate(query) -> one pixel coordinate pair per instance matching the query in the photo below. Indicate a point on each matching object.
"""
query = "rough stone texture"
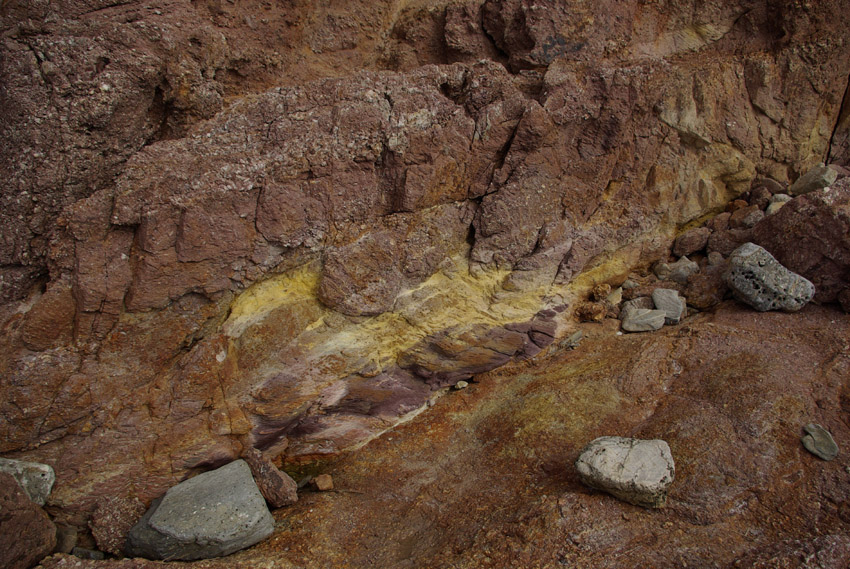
(758, 279)
(707, 288)
(746, 217)
(637, 471)
(277, 487)
(810, 235)
(643, 320)
(36, 479)
(184, 179)
(522, 426)
(691, 241)
(210, 515)
(26, 533)
(681, 270)
(671, 303)
(818, 177)
(111, 521)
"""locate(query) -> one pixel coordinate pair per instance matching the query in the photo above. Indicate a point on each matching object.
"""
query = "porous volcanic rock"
(758, 279)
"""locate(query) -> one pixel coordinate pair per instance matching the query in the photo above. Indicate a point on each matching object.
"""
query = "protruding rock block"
(211, 515)
(818, 177)
(634, 470)
(35, 478)
(758, 279)
(819, 442)
(277, 487)
(26, 533)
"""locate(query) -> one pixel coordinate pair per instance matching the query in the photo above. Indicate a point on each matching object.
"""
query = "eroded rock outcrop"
(306, 266)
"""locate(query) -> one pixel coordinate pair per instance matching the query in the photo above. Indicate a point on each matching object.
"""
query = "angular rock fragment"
(691, 241)
(643, 320)
(277, 487)
(758, 279)
(26, 533)
(819, 442)
(210, 515)
(682, 269)
(818, 177)
(671, 303)
(35, 478)
(634, 470)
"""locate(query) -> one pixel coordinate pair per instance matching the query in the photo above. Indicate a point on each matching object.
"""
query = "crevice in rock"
(843, 116)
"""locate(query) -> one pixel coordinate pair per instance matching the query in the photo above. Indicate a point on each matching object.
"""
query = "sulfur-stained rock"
(26, 533)
(758, 279)
(637, 471)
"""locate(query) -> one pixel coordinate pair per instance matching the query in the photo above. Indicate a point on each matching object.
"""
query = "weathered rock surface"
(810, 235)
(277, 487)
(671, 303)
(26, 533)
(211, 515)
(36, 479)
(523, 426)
(200, 214)
(758, 279)
(643, 320)
(821, 176)
(112, 520)
(637, 471)
(691, 241)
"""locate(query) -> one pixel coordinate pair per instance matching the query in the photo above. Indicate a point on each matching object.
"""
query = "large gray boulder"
(818, 177)
(759, 280)
(634, 470)
(35, 478)
(210, 515)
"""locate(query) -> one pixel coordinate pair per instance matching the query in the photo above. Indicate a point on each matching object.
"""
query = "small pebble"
(324, 482)
(461, 385)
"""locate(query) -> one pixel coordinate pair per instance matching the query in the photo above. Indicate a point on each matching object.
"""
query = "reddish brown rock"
(277, 487)
(26, 533)
(809, 236)
(707, 288)
(691, 241)
(760, 196)
(111, 521)
(724, 242)
(746, 217)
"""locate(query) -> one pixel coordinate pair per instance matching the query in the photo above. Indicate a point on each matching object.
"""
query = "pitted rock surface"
(758, 279)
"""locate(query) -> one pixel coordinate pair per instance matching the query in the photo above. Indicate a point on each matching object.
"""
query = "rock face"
(289, 226)
(758, 279)
(26, 533)
(637, 471)
(35, 479)
(810, 235)
(210, 515)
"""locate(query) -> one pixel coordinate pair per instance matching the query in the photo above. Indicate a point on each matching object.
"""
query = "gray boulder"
(682, 269)
(759, 280)
(818, 177)
(211, 515)
(35, 478)
(643, 320)
(636, 471)
(671, 303)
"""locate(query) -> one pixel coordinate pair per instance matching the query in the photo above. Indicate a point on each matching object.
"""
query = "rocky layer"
(301, 269)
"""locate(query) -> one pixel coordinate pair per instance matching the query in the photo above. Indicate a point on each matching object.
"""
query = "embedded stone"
(211, 515)
(818, 177)
(35, 478)
(819, 442)
(644, 320)
(634, 470)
